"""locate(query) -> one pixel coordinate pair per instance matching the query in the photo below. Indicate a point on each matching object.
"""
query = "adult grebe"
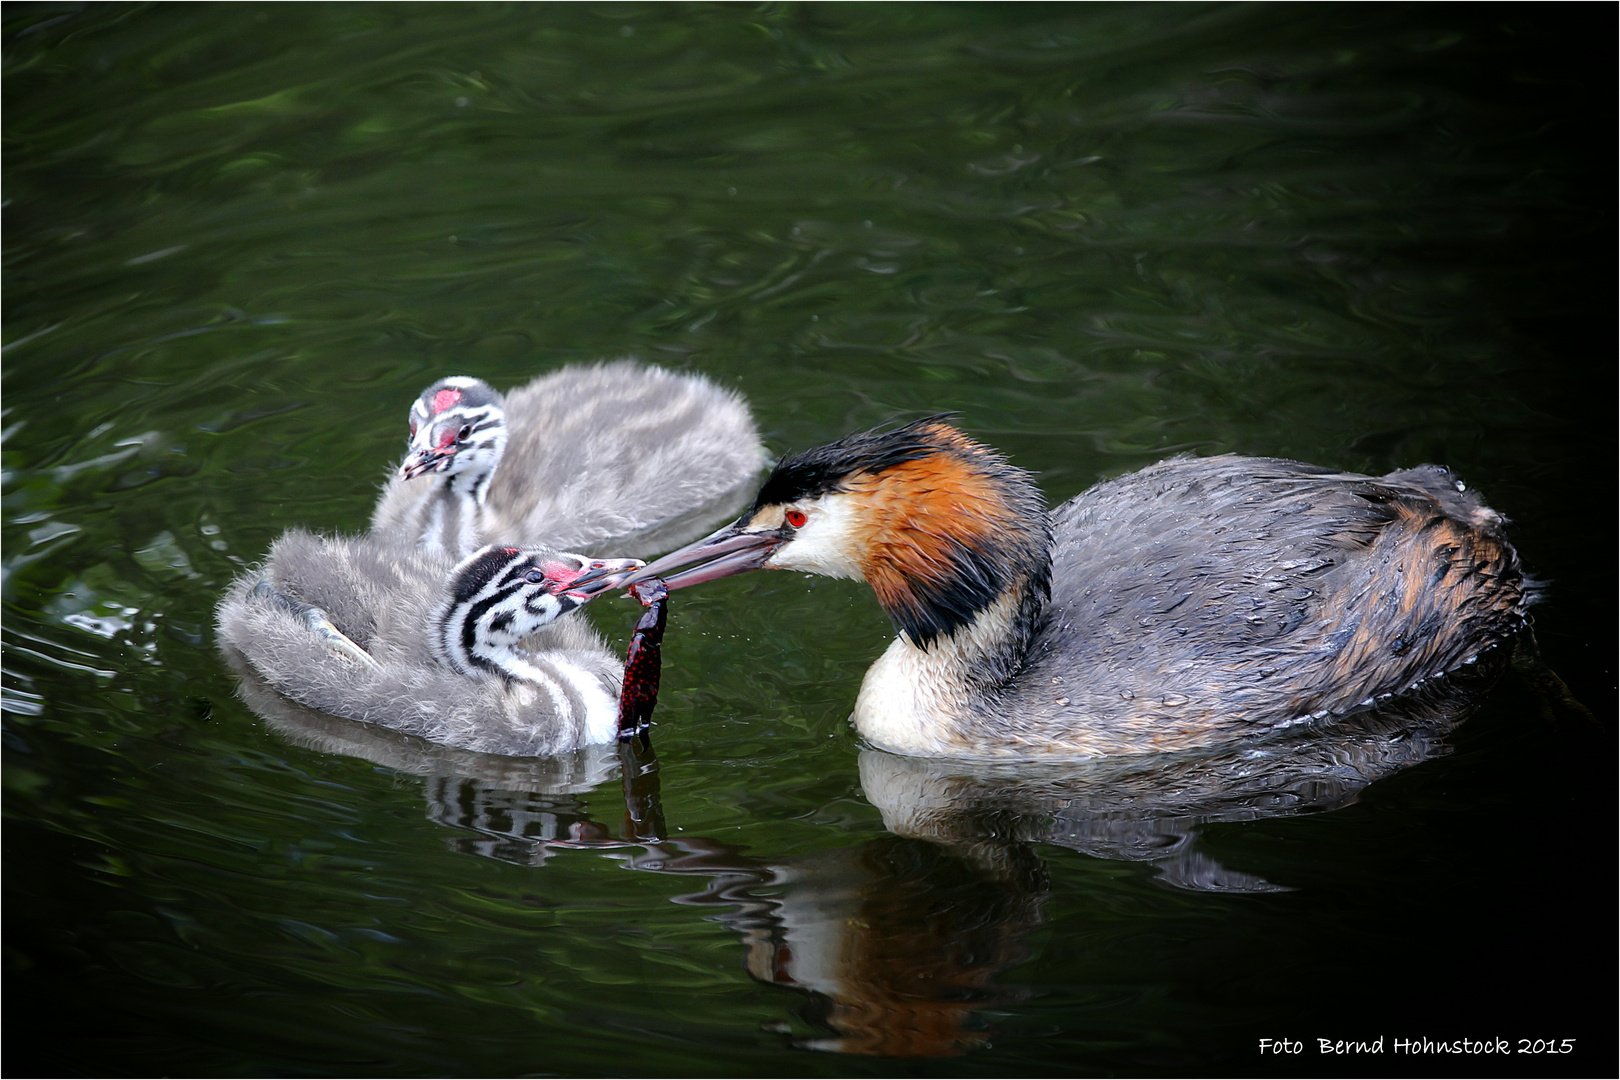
(474, 654)
(1197, 601)
(586, 455)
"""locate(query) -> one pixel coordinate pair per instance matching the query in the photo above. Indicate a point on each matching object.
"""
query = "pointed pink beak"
(721, 554)
(422, 461)
(600, 576)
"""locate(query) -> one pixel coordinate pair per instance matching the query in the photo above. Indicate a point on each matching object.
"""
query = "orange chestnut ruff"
(933, 534)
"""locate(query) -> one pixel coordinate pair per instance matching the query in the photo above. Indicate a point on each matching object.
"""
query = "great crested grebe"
(473, 654)
(1197, 601)
(586, 455)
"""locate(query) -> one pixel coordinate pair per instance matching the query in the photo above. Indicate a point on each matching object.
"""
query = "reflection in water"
(519, 809)
(1148, 808)
(899, 942)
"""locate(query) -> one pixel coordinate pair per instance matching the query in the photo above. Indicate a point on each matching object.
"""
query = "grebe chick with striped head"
(618, 453)
(476, 654)
(1198, 601)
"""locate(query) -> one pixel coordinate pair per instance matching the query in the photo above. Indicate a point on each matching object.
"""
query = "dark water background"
(240, 238)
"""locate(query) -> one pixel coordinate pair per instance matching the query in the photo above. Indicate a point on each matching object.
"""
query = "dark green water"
(238, 241)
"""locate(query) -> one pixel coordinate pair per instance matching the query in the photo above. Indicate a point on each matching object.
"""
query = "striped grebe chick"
(1198, 601)
(476, 654)
(577, 458)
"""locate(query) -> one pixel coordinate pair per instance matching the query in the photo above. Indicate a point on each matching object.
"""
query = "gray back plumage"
(1250, 594)
(383, 595)
(617, 452)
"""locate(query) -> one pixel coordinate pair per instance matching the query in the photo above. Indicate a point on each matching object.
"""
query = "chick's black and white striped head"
(457, 428)
(501, 595)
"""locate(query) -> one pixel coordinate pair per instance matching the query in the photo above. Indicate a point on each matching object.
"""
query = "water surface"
(239, 239)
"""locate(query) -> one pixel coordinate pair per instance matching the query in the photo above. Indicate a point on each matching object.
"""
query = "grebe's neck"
(963, 570)
(926, 698)
(456, 508)
(957, 545)
(472, 485)
(450, 517)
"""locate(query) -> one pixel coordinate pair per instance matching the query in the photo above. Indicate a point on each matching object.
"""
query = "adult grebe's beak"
(727, 551)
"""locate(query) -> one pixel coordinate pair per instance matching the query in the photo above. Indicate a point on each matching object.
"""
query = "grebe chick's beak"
(433, 443)
(423, 461)
(432, 448)
(599, 576)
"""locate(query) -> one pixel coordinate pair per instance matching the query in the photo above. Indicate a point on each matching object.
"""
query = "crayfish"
(643, 663)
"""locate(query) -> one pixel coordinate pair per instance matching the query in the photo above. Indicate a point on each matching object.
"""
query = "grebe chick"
(586, 455)
(1198, 601)
(475, 654)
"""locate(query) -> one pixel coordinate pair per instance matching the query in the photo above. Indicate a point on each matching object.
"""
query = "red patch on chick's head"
(444, 399)
(562, 573)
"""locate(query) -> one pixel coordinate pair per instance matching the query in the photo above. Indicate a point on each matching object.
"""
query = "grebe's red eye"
(796, 518)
